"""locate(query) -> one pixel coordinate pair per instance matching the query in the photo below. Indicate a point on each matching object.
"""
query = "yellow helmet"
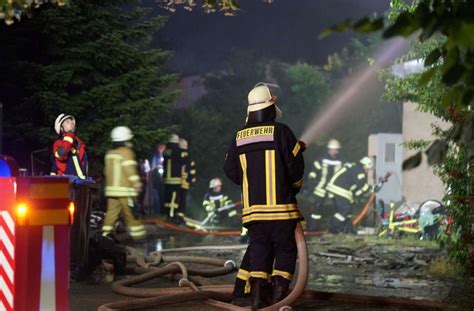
(334, 144)
(367, 162)
(174, 139)
(121, 133)
(260, 98)
(215, 182)
(183, 144)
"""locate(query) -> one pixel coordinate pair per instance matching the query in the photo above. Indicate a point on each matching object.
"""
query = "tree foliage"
(91, 60)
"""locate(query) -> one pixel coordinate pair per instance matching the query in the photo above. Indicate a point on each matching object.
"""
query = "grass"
(443, 268)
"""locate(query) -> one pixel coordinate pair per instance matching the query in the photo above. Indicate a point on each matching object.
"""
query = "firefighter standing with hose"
(266, 160)
(347, 184)
(324, 167)
(173, 165)
(122, 183)
(69, 151)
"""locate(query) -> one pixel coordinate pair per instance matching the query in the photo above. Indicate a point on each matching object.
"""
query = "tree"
(91, 60)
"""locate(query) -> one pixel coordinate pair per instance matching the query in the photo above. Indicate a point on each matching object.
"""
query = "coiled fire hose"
(216, 295)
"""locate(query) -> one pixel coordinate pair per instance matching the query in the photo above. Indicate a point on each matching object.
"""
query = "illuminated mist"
(338, 106)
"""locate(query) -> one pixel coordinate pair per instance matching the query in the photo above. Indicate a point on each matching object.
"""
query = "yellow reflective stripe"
(192, 172)
(362, 190)
(134, 178)
(129, 162)
(361, 176)
(340, 192)
(232, 213)
(168, 170)
(298, 183)
(338, 173)
(271, 216)
(259, 274)
(317, 165)
(68, 139)
(173, 181)
(312, 175)
(243, 274)
(137, 228)
(75, 160)
(245, 184)
(283, 274)
(353, 187)
(296, 149)
(322, 181)
(270, 179)
(113, 156)
(56, 154)
(271, 208)
(319, 192)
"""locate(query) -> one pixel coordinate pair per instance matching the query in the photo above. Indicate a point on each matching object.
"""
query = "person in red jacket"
(69, 151)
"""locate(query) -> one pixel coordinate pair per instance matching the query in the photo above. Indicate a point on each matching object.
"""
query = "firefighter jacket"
(188, 170)
(121, 174)
(266, 160)
(173, 165)
(69, 156)
(322, 171)
(214, 200)
(349, 182)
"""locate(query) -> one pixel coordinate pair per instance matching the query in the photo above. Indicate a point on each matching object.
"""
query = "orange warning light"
(71, 209)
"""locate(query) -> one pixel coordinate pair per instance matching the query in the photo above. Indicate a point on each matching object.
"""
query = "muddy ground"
(342, 264)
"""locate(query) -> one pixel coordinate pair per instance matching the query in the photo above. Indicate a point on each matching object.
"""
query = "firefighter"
(69, 151)
(122, 183)
(215, 199)
(347, 184)
(322, 171)
(188, 174)
(266, 160)
(173, 165)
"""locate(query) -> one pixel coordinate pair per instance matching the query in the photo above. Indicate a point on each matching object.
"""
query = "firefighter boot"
(259, 291)
(280, 288)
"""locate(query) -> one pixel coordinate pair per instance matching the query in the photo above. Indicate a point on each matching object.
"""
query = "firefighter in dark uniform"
(69, 151)
(215, 199)
(347, 184)
(266, 160)
(322, 171)
(173, 165)
(188, 174)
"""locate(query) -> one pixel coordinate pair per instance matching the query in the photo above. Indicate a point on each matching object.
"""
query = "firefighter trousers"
(341, 221)
(271, 253)
(172, 199)
(314, 223)
(117, 205)
(183, 193)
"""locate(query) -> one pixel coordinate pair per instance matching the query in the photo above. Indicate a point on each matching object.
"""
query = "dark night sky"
(286, 30)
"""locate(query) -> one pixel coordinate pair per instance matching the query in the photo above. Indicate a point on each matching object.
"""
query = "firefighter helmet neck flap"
(261, 104)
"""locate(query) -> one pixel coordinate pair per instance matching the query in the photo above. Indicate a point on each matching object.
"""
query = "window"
(390, 153)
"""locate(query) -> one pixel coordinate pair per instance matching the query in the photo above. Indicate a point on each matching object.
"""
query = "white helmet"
(59, 121)
(334, 144)
(215, 182)
(260, 98)
(174, 139)
(121, 133)
(183, 144)
(367, 162)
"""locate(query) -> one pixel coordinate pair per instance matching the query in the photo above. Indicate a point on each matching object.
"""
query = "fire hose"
(216, 295)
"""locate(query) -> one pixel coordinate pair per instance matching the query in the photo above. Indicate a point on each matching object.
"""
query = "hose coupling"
(232, 263)
(183, 282)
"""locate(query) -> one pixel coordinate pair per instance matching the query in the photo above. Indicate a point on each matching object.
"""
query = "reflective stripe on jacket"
(266, 160)
(121, 174)
(322, 171)
(349, 182)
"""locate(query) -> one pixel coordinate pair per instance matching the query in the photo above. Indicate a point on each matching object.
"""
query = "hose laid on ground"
(216, 295)
(174, 227)
(301, 281)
